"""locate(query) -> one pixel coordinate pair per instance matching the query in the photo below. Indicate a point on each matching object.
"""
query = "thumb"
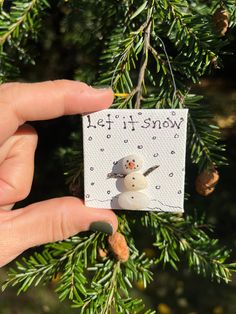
(49, 221)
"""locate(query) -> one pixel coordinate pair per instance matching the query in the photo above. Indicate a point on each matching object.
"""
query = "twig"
(144, 60)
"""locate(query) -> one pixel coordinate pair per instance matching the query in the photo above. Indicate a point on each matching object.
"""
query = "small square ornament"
(135, 159)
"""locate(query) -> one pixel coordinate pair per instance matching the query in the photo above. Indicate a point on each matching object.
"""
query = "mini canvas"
(156, 135)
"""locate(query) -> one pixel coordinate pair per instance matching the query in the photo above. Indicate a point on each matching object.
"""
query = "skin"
(55, 219)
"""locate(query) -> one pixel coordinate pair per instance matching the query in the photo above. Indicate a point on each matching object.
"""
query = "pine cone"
(119, 247)
(221, 20)
(206, 181)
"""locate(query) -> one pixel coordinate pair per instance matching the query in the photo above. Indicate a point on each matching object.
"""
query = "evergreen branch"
(20, 13)
(175, 235)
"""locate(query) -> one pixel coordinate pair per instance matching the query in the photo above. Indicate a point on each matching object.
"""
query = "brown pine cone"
(119, 247)
(221, 20)
(206, 181)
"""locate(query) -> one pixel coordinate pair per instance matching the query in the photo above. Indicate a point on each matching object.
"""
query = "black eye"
(133, 178)
(137, 165)
(133, 160)
(132, 197)
(133, 185)
(127, 160)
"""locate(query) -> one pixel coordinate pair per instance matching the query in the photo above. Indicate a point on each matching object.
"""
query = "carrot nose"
(131, 165)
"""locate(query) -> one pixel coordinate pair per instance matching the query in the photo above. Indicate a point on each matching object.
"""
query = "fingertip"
(85, 99)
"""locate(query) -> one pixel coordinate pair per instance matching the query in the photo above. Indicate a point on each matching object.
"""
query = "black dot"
(127, 160)
(173, 113)
(140, 113)
(158, 187)
(140, 146)
(102, 149)
(176, 136)
(125, 141)
(179, 192)
(92, 183)
(117, 116)
(132, 197)
(133, 185)
(156, 155)
(91, 168)
(133, 178)
(90, 138)
(133, 160)
(154, 138)
(108, 192)
(108, 135)
(87, 196)
(171, 174)
(172, 152)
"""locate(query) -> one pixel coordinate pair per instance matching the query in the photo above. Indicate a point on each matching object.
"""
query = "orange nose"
(131, 165)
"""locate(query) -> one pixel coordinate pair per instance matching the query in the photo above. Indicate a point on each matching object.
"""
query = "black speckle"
(92, 183)
(117, 116)
(108, 135)
(140, 146)
(140, 113)
(90, 138)
(133, 160)
(91, 168)
(172, 152)
(125, 141)
(133, 185)
(108, 192)
(176, 136)
(158, 187)
(154, 138)
(132, 197)
(156, 155)
(127, 160)
(102, 149)
(171, 174)
(87, 196)
(133, 178)
(115, 162)
(179, 192)
(173, 113)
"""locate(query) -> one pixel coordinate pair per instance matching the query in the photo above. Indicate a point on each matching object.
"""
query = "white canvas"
(158, 135)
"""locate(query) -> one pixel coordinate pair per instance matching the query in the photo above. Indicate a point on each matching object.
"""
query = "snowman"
(134, 182)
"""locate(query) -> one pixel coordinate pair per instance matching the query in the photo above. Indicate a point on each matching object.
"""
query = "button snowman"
(134, 182)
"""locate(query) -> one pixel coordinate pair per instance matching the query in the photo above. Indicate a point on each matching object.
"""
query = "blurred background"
(69, 49)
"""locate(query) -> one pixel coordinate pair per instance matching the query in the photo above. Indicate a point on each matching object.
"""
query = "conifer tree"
(154, 51)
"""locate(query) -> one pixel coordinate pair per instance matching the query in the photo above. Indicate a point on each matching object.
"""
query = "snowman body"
(135, 184)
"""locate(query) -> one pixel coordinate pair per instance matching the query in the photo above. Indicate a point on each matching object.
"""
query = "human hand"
(55, 219)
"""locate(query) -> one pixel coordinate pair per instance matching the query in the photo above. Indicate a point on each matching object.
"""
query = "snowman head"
(132, 163)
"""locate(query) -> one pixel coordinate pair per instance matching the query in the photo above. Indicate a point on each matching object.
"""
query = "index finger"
(20, 102)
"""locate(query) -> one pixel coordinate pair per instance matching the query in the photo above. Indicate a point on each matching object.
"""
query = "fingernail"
(101, 87)
(101, 226)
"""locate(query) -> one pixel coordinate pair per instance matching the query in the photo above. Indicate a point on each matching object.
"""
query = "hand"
(54, 219)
